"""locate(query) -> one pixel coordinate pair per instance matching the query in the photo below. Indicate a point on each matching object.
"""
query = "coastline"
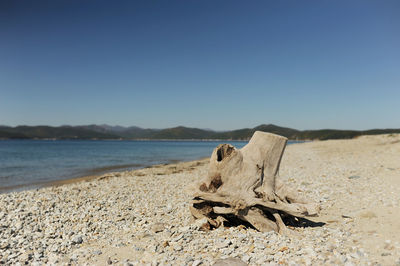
(97, 173)
(142, 216)
(33, 164)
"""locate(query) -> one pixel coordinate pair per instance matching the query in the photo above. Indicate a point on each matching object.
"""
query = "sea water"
(31, 163)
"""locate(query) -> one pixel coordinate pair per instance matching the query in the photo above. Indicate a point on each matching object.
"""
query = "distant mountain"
(119, 132)
(183, 133)
(103, 128)
(246, 133)
(108, 128)
(132, 132)
(138, 133)
(47, 132)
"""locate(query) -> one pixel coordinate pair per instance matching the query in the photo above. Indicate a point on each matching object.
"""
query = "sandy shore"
(142, 217)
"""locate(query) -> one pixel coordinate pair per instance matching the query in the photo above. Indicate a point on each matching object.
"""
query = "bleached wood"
(256, 218)
(244, 183)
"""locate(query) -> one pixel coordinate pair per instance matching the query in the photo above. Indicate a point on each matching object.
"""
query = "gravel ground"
(142, 216)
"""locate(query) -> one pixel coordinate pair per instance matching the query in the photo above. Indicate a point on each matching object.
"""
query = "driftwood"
(243, 186)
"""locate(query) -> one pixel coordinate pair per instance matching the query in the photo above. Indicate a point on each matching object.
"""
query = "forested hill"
(181, 133)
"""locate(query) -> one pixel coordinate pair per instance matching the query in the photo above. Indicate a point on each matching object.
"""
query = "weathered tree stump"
(243, 186)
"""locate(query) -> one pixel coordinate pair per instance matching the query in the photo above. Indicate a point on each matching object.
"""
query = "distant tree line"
(181, 133)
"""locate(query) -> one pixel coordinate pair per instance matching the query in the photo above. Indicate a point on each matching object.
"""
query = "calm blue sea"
(32, 163)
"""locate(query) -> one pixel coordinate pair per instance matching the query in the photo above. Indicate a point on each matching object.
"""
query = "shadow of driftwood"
(301, 222)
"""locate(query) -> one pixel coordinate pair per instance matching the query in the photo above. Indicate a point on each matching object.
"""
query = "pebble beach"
(142, 217)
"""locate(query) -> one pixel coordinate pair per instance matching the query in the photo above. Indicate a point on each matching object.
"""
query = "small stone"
(230, 262)
(197, 262)
(55, 249)
(188, 260)
(154, 248)
(77, 240)
(169, 208)
(25, 257)
(185, 228)
(38, 255)
(282, 249)
(18, 226)
(241, 236)
(109, 261)
(250, 249)
(4, 246)
(246, 258)
(259, 246)
(223, 244)
(158, 227)
(53, 259)
(177, 238)
(178, 248)
(97, 252)
(74, 257)
(354, 177)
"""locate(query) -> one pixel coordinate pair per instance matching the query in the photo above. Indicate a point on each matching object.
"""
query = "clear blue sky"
(208, 64)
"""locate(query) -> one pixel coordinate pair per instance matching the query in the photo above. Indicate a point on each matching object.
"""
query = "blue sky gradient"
(208, 64)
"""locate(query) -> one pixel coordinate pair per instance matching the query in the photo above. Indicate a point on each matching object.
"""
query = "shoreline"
(89, 177)
(108, 174)
(96, 172)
